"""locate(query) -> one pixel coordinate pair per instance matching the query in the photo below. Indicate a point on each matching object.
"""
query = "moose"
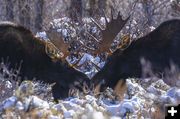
(18, 44)
(159, 48)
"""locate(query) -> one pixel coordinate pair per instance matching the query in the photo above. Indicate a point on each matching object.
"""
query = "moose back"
(18, 44)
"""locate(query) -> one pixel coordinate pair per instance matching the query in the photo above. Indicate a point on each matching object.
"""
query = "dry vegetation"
(145, 98)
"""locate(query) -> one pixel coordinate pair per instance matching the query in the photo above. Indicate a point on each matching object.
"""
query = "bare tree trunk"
(93, 7)
(25, 12)
(39, 15)
(75, 10)
(102, 5)
(9, 10)
(148, 10)
(96, 7)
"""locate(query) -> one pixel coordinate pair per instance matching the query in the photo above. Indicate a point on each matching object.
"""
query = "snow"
(8, 84)
(171, 92)
(19, 105)
(77, 101)
(137, 100)
(152, 89)
(42, 35)
(59, 107)
(97, 115)
(103, 20)
(72, 106)
(86, 57)
(53, 117)
(37, 102)
(172, 96)
(8, 103)
(69, 114)
(89, 108)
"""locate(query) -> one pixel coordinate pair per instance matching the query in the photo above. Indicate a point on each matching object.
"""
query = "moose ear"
(57, 41)
(125, 42)
(52, 51)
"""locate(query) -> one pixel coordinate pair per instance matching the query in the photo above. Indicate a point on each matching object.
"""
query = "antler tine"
(119, 16)
(112, 11)
(105, 16)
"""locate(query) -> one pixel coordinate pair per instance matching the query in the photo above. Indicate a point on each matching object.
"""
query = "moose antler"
(57, 48)
(109, 33)
(57, 40)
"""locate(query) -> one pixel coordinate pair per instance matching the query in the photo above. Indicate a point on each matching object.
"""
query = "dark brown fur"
(18, 44)
(160, 48)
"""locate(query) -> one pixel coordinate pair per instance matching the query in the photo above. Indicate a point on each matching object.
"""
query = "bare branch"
(94, 38)
(98, 25)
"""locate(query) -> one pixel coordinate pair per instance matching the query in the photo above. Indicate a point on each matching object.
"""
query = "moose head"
(19, 44)
(159, 48)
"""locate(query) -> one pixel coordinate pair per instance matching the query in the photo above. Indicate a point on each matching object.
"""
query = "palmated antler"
(57, 48)
(109, 33)
(56, 39)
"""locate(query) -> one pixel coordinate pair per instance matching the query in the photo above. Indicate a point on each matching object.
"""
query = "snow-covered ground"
(139, 102)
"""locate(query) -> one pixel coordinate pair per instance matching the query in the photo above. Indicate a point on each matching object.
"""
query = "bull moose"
(159, 47)
(18, 44)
